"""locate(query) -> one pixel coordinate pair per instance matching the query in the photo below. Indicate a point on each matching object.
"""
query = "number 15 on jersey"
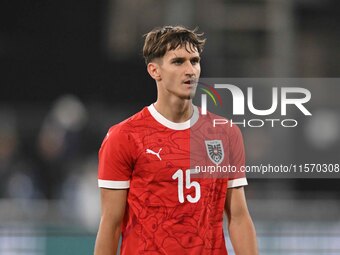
(188, 184)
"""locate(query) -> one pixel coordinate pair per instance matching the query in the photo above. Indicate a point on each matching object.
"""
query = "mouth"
(192, 82)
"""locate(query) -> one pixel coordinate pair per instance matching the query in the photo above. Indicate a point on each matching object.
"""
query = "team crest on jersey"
(215, 151)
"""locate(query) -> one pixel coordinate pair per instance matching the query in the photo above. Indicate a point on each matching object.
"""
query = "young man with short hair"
(149, 191)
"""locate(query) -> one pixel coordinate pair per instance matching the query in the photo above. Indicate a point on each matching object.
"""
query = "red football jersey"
(171, 208)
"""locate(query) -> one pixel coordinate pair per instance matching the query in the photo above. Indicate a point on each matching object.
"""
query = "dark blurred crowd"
(37, 159)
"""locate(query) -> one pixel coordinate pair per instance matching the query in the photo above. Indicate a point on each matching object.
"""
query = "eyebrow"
(197, 58)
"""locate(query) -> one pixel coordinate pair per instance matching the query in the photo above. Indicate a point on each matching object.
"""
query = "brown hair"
(160, 40)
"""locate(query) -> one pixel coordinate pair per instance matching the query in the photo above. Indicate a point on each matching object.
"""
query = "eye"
(195, 61)
(177, 62)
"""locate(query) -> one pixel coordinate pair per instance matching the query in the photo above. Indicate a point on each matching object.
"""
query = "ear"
(153, 70)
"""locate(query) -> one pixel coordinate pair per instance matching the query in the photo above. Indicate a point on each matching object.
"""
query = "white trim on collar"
(173, 125)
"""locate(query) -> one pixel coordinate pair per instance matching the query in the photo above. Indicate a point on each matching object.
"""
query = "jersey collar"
(173, 125)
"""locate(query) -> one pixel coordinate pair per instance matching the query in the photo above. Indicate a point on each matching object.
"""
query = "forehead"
(183, 51)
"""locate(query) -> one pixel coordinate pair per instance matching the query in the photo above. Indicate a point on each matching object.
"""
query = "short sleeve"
(237, 159)
(115, 160)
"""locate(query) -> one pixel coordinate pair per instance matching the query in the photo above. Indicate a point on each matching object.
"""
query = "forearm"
(107, 239)
(243, 236)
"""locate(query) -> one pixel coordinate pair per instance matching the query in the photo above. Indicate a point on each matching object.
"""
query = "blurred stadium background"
(71, 69)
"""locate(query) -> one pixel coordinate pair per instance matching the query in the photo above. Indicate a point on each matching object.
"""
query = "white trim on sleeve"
(113, 184)
(237, 182)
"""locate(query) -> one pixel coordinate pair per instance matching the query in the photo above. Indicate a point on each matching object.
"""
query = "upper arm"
(236, 205)
(113, 203)
(240, 225)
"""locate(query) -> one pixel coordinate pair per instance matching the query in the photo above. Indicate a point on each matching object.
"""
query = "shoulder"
(129, 123)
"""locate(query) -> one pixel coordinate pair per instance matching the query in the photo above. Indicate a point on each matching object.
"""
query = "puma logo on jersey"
(154, 153)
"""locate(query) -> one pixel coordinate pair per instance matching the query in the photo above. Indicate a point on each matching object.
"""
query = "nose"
(189, 69)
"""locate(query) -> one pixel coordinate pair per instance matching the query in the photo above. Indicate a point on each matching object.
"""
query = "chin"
(189, 96)
(192, 93)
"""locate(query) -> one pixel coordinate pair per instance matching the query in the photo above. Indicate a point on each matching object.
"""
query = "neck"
(175, 110)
